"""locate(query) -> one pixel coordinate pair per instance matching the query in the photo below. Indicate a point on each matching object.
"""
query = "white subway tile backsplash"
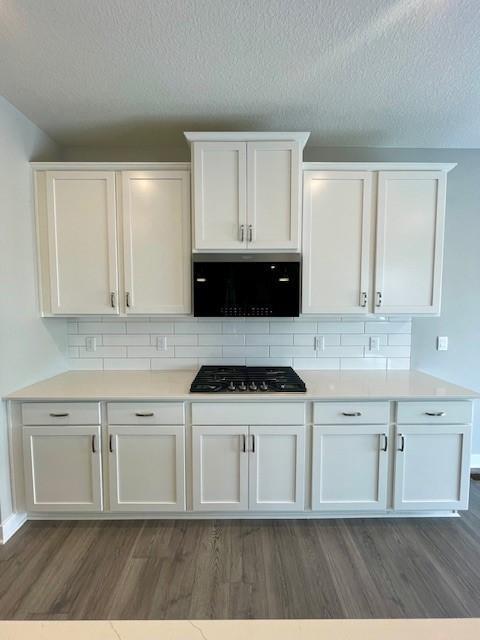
(131, 343)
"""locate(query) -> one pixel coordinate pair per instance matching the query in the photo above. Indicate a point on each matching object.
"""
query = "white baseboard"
(475, 461)
(11, 525)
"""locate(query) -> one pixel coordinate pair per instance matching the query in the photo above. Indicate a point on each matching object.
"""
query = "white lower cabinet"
(432, 464)
(349, 468)
(63, 470)
(237, 468)
(146, 468)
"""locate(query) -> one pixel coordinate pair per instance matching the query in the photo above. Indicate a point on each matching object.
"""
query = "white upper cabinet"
(81, 233)
(246, 191)
(156, 238)
(336, 241)
(273, 195)
(409, 253)
(219, 195)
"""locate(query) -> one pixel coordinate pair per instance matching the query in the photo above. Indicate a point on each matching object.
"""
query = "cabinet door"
(277, 468)
(156, 224)
(82, 242)
(220, 468)
(147, 468)
(273, 200)
(336, 241)
(62, 468)
(410, 228)
(432, 467)
(219, 195)
(349, 468)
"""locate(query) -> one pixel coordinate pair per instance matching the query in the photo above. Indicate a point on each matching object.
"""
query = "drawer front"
(351, 412)
(146, 413)
(434, 412)
(61, 413)
(246, 413)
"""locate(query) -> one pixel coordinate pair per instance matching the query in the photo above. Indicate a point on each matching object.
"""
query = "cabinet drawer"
(434, 412)
(351, 412)
(146, 413)
(52, 413)
(246, 413)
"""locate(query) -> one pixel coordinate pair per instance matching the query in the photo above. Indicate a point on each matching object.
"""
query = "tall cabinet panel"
(410, 222)
(273, 194)
(219, 195)
(82, 242)
(156, 235)
(336, 239)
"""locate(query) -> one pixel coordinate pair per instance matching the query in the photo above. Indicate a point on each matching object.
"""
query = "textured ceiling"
(139, 72)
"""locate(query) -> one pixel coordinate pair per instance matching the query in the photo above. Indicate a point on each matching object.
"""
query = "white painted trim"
(11, 525)
(475, 461)
(110, 166)
(246, 136)
(379, 166)
(257, 515)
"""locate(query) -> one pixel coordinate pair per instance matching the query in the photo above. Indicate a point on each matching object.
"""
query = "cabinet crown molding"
(379, 166)
(247, 136)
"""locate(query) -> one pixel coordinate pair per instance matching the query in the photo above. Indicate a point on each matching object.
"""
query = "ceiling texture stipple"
(401, 73)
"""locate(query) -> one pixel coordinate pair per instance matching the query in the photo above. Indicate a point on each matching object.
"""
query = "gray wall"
(30, 348)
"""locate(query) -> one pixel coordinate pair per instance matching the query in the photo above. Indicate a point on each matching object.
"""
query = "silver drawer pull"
(146, 414)
(59, 415)
(351, 414)
(435, 414)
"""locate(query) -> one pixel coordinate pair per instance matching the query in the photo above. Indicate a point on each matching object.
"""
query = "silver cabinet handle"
(59, 415)
(352, 414)
(385, 442)
(244, 443)
(363, 299)
(112, 299)
(94, 449)
(144, 414)
(378, 302)
(402, 442)
(110, 443)
(435, 414)
(242, 233)
(127, 299)
(253, 444)
(250, 233)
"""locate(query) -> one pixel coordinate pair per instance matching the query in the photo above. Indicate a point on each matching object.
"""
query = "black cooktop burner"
(246, 379)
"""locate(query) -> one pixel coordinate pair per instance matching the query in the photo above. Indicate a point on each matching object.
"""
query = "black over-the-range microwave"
(246, 285)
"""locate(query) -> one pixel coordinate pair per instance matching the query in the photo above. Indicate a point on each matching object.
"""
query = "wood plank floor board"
(241, 569)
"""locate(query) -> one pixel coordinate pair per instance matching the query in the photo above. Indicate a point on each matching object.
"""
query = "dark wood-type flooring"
(367, 568)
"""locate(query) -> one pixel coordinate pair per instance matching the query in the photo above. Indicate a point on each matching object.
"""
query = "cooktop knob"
(231, 386)
(242, 386)
(264, 386)
(253, 386)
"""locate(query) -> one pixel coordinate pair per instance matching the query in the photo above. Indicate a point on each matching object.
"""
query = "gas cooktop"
(246, 380)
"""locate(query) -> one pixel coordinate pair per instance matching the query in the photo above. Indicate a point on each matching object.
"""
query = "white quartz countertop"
(175, 385)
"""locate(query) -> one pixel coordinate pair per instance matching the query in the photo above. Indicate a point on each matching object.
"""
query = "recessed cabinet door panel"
(273, 187)
(336, 239)
(63, 468)
(82, 242)
(220, 468)
(219, 195)
(147, 468)
(410, 228)
(432, 465)
(349, 468)
(156, 220)
(277, 468)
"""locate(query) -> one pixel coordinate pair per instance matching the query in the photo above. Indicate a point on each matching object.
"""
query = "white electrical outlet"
(90, 343)
(162, 343)
(442, 343)
(319, 343)
(374, 343)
